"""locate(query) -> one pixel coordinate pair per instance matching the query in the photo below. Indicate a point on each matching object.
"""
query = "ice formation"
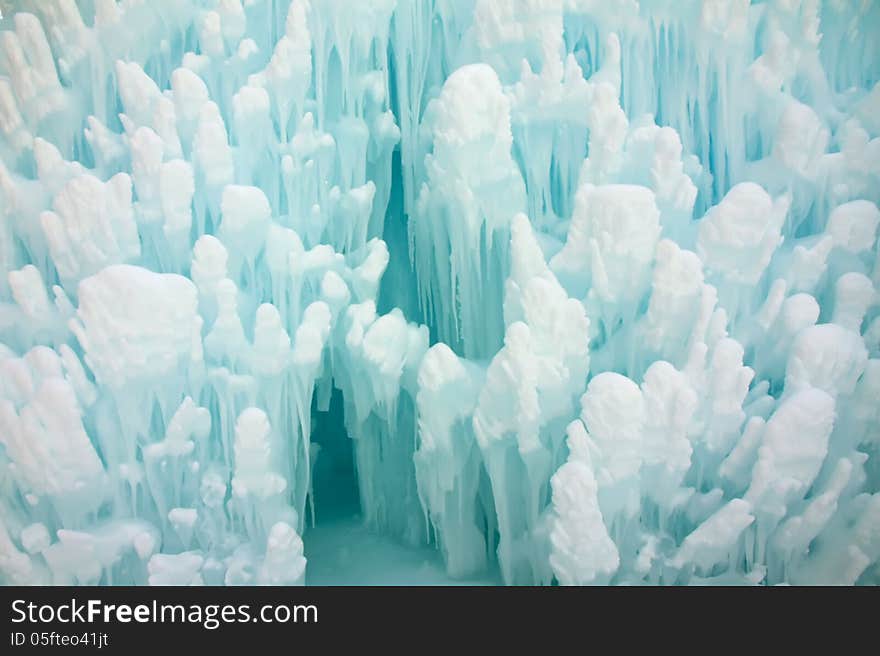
(570, 292)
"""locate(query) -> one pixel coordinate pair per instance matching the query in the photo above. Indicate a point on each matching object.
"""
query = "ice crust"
(596, 284)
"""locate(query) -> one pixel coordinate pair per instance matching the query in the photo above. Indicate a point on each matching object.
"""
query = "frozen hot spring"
(434, 291)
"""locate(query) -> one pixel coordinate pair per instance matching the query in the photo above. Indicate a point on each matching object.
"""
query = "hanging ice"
(546, 292)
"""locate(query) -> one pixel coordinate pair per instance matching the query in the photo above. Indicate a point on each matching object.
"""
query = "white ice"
(518, 291)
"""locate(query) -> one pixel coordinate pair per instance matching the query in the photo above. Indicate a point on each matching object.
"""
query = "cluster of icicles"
(597, 281)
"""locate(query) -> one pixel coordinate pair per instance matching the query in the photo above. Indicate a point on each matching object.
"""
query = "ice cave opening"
(341, 548)
(334, 482)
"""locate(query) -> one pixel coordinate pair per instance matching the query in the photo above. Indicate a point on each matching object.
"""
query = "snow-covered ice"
(429, 291)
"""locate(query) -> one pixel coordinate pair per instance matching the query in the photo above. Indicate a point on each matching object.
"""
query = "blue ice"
(435, 291)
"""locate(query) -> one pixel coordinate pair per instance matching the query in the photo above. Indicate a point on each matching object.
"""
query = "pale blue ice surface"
(435, 291)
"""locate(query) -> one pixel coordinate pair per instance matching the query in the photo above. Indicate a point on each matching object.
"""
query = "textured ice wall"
(597, 282)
